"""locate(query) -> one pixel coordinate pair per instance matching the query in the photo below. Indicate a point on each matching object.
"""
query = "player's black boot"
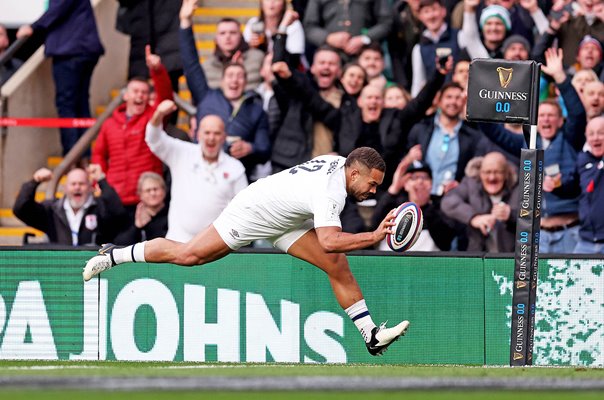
(382, 337)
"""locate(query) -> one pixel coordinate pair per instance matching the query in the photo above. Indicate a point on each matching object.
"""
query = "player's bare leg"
(205, 247)
(347, 292)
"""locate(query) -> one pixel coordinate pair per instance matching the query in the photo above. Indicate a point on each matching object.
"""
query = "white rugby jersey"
(314, 190)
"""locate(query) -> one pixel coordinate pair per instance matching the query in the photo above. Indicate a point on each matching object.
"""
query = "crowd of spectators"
(391, 75)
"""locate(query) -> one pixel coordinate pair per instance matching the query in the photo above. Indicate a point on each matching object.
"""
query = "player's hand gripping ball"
(409, 222)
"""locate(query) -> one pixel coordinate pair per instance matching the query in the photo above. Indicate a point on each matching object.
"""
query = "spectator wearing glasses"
(486, 201)
(151, 216)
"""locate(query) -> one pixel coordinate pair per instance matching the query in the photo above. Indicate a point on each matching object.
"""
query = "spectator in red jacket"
(120, 148)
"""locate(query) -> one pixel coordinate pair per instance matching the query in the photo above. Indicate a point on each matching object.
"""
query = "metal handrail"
(82, 144)
(80, 147)
(12, 49)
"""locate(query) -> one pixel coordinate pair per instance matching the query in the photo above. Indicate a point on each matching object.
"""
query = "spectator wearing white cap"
(495, 23)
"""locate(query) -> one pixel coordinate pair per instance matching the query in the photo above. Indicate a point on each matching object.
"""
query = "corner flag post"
(514, 98)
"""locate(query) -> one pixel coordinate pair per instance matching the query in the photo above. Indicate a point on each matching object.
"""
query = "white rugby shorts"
(238, 227)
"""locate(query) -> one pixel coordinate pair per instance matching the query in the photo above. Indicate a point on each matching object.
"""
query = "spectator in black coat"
(412, 182)
(78, 219)
(151, 216)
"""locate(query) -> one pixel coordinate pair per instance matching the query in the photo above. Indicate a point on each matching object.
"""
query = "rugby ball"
(409, 222)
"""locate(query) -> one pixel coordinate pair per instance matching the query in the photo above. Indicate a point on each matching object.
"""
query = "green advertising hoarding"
(252, 307)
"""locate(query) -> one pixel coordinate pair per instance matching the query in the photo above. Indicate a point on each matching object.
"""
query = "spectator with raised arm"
(562, 140)
(384, 130)
(347, 25)
(300, 135)
(77, 219)
(246, 123)
(120, 148)
(494, 24)
(486, 201)
(230, 49)
(72, 41)
(204, 178)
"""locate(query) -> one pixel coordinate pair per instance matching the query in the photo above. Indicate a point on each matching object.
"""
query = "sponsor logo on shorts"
(234, 234)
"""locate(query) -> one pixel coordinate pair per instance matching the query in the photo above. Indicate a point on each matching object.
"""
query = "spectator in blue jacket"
(561, 141)
(245, 121)
(590, 168)
(73, 43)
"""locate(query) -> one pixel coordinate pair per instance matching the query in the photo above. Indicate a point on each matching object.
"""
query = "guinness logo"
(505, 76)
(518, 356)
(523, 212)
(520, 284)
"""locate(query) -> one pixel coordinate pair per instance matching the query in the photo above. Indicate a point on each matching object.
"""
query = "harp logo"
(505, 76)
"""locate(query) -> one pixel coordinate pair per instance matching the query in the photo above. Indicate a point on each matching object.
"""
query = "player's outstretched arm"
(333, 240)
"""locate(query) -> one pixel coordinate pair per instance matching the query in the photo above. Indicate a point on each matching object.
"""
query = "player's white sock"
(359, 314)
(134, 253)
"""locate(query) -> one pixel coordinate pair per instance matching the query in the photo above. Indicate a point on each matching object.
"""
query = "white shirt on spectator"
(200, 190)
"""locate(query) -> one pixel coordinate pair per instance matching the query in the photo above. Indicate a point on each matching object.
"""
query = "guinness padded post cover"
(503, 91)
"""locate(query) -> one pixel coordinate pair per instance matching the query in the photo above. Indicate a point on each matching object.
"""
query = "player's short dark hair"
(367, 157)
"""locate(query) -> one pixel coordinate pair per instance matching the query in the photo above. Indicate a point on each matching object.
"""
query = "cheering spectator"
(299, 136)
(593, 99)
(10, 67)
(461, 73)
(371, 58)
(494, 22)
(589, 56)
(347, 25)
(447, 141)
(78, 219)
(354, 79)
(242, 112)
(151, 215)
(230, 49)
(154, 23)
(396, 97)
(590, 167)
(486, 201)
(384, 130)
(588, 19)
(438, 41)
(582, 78)
(516, 48)
(275, 17)
(412, 182)
(204, 177)
(73, 43)
(120, 148)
